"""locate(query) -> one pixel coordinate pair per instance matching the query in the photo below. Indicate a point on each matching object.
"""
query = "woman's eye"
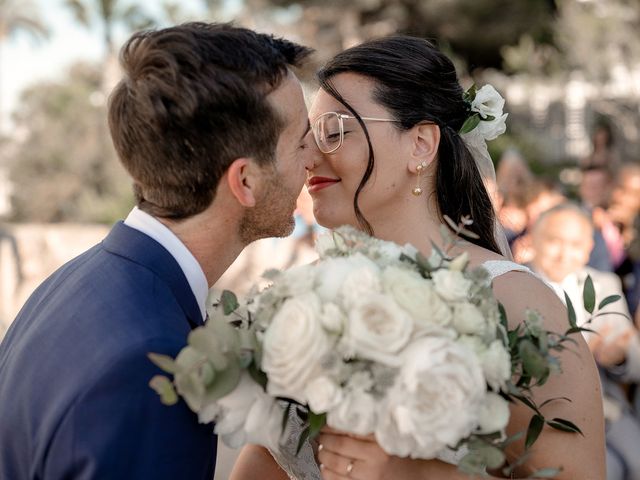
(333, 136)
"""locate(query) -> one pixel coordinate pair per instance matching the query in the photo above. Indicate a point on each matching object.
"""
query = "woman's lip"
(319, 185)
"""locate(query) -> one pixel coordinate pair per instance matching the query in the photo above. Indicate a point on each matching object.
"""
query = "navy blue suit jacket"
(74, 396)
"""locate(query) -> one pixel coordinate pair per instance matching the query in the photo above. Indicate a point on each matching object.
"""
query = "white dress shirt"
(150, 226)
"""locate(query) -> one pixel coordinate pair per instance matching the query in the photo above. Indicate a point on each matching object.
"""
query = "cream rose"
(356, 413)
(246, 415)
(496, 364)
(377, 329)
(494, 414)
(451, 285)
(331, 273)
(363, 280)
(323, 394)
(417, 296)
(435, 401)
(332, 318)
(488, 102)
(293, 345)
(468, 319)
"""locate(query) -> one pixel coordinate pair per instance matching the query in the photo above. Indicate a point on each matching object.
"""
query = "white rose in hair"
(496, 364)
(377, 329)
(323, 394)
(494, 128)
(494, 414)
(488, 102)
(468, 319)
(435, 401)
(451, 285)
(418, 297)
(246, 415)
(356, 413)
(293, 345)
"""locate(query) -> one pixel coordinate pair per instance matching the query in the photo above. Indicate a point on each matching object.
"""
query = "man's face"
(562, 243)
(282, 180)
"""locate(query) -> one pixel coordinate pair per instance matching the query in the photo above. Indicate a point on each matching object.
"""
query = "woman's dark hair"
(418, 83)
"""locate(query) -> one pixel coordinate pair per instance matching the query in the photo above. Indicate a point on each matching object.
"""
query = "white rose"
(356, 413)
(363, 280)
(496, 364)
(331, 273)
(323, 394)
(324, 243)
(293, 345)
(435, 400)
(332, 318)
(493, 129)
(468, 319)
(377, 329)
(390, 251)
(451, 285)
(417, 296)
(494, 414)
(246, 415)
(488, 102)
(296, 281)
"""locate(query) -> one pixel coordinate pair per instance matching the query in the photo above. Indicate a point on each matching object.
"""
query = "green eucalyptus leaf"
(589, 295)
(609, 300)
(205, 341)
(163, 387)
(470, 123)
(492, 456)
(303, 438)
(564, 425)
(472, 464)
(571, 311)
(229, 302)
(316, 422)
(533, 431)
(165, 362)
(533, 362)
(285, 417)
(223, 383)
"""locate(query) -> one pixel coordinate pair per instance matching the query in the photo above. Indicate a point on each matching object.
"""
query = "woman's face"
(391, 181)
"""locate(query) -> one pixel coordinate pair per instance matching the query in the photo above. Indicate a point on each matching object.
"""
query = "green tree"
(66, 167)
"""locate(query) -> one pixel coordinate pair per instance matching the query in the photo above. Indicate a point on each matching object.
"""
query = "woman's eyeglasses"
(328, 129)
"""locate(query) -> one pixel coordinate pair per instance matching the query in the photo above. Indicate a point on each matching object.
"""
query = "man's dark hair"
(192, 100)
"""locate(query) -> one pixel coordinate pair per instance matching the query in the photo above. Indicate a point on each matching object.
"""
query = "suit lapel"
(143, 250)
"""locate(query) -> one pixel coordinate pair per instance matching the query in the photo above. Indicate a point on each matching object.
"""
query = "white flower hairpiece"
(486, 106)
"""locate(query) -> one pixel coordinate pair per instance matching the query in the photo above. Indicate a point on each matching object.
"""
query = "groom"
(211, 125)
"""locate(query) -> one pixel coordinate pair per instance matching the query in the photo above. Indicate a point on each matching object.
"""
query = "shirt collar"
(149, 225)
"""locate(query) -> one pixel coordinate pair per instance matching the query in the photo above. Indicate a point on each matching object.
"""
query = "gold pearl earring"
(418, 190)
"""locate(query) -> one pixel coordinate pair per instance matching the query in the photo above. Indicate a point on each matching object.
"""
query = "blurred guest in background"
(513, 179)
(623, 210)
(541, 195)
(562, 239)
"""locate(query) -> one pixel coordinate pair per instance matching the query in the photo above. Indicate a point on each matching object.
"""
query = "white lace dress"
(304, 467)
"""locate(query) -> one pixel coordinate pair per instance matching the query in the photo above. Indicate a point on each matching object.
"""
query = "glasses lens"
(327, 132)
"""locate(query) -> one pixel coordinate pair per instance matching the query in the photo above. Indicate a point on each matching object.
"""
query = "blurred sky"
(25, 61)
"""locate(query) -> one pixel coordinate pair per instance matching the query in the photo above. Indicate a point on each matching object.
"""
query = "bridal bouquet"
(374, 338)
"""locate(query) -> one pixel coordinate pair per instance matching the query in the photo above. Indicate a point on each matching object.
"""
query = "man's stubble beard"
(273, 214)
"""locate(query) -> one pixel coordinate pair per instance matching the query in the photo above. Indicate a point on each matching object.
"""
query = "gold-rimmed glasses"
(328, 129)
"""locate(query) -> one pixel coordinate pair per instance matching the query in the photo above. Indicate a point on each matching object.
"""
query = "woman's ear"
(425, 139)
(242, 180)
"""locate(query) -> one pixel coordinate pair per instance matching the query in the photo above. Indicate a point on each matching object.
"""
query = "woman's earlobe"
(242, 182)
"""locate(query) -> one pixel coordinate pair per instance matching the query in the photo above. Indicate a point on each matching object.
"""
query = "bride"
(386, 120)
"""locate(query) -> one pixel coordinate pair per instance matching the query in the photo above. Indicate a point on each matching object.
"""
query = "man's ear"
(425, 139)
(242, 180)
